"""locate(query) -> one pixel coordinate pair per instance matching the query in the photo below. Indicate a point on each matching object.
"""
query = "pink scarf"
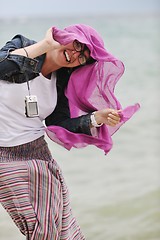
(91, 88)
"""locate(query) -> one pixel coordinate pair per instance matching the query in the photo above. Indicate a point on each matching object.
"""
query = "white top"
(15, 127)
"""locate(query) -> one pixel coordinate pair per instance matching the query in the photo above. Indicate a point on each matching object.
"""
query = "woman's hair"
(90, 61)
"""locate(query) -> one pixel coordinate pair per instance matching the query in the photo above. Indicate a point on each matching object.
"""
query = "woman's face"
(71, 55)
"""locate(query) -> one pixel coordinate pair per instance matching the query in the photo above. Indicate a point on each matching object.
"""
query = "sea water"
(114, 196)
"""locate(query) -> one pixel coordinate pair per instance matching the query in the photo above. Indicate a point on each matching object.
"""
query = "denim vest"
(17, 68)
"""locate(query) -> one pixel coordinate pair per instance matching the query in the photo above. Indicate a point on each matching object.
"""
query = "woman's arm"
(82, 124)
(39, 48)
(22, 55)
(61, 115)
(12, 66)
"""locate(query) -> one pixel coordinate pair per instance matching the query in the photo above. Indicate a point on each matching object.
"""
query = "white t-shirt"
(15, 127)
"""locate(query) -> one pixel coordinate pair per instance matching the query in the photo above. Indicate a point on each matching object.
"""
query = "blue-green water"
(114, 197)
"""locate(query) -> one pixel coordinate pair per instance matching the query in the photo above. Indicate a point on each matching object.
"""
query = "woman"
(64, 86)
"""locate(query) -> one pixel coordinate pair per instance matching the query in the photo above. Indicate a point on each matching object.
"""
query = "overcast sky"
(18, 8)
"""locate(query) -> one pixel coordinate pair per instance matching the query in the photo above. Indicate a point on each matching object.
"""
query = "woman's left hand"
(108, 116)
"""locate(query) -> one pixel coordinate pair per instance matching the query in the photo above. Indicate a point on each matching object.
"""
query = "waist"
(37, 149)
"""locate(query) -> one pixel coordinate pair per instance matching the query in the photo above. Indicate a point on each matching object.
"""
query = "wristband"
(93, 121)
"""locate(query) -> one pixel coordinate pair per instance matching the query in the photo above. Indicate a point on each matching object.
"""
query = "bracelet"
(25, 52)
(93, 121)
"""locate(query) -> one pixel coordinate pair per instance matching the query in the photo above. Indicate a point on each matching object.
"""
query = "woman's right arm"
(39, 48)
(21, 55)
(13, 66)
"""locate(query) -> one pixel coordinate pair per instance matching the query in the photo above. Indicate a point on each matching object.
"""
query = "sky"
(20, 8)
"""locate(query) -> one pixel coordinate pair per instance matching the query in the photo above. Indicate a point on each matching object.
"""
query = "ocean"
(114, 196)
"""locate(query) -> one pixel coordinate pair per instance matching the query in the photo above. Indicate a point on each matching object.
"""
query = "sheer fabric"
(91, 87)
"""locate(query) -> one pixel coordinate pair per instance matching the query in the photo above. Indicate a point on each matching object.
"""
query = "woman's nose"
(74, 51)
(75, 54)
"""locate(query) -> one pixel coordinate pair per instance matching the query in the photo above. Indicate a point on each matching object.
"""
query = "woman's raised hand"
(53, 44)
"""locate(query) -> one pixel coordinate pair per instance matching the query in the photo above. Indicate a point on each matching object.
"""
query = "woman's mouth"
(67, 56)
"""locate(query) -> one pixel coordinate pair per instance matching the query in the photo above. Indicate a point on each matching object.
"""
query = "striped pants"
(34, 193)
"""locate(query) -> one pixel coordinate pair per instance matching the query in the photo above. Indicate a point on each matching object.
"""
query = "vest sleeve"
(14, 67)
(61, 115)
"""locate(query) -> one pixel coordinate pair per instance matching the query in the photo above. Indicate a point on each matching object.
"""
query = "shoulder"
(17, 41)
(22, 40)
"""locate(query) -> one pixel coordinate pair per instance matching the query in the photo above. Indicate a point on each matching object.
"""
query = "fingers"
(113, 118)
(112, 122)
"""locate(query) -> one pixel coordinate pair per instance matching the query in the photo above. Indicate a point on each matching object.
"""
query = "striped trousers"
(34, 193)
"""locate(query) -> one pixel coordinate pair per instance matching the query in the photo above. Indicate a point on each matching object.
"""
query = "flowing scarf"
(91, 88)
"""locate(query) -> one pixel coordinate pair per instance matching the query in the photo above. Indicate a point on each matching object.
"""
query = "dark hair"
(90, 61)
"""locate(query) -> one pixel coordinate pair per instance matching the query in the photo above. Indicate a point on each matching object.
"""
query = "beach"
(114, 196)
